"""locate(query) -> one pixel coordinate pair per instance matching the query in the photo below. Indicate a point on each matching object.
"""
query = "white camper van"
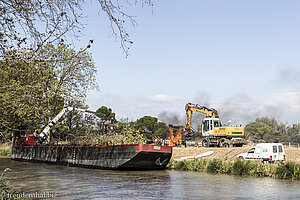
(266, 152)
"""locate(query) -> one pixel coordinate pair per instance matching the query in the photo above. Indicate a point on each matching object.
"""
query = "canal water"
(81, 183)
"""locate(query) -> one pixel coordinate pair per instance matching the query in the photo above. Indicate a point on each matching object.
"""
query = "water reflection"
(82, 183)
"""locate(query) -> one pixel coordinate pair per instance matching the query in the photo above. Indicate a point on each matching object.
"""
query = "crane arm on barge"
(45, 132)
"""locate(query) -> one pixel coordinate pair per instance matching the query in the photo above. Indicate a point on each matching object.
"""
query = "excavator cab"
(208, 126)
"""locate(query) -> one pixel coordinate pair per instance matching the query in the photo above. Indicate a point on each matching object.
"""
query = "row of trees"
(271, 130)
(147, 127)
(88, 129)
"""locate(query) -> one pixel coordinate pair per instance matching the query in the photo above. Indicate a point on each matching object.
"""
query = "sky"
(240, 57)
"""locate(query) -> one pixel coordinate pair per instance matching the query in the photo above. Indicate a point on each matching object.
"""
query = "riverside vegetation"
(5, 152)
(5, 149)
(286, 170)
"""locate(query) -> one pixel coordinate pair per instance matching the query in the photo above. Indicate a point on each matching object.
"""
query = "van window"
(251, 150)
(280, 149)
(274, 149)
(258, 150)
(265, 150)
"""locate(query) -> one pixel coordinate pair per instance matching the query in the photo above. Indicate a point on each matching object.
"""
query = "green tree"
(106, 113)
(75, 71)
(150, 127)
(147, 123)
(260, 131)
(23, 96)
(282, 132)
(33, 91)
(107, 122)
(278, 127)
(293, 133)
(161, 130)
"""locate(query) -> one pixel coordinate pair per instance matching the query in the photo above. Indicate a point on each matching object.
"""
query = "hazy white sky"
(240, 57)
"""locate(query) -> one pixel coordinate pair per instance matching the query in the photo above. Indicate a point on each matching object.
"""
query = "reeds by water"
(286, 170)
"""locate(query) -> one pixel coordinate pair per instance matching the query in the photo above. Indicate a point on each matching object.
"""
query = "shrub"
(225, 167)
(260, 170)
(213, 166)
(289, 170)
(180, 165)
(5, 152)
(171, 164)
(242, 167)
(196, 165)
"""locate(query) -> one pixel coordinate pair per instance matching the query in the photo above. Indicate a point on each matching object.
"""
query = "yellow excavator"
(213, 132)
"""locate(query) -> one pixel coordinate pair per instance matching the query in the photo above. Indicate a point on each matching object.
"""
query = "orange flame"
(175, 140)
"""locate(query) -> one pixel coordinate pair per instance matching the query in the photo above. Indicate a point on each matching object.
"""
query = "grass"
(287, 170)
(5, 151)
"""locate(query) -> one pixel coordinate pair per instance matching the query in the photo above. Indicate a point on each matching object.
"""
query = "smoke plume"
(170, 118)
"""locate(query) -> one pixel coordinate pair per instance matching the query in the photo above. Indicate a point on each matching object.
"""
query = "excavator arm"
(190, 108)
(44, 134)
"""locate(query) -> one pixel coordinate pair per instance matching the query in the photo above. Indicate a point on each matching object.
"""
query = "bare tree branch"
(33, 23)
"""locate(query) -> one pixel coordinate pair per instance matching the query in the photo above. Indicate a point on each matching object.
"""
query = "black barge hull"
(130, 156)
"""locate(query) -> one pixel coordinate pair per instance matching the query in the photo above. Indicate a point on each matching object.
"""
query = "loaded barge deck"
(126, 156)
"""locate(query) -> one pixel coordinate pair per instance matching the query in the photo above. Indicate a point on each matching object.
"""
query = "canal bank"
(223, 161)
(286, 170)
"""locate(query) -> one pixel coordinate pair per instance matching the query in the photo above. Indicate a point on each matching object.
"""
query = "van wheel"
(241, 157)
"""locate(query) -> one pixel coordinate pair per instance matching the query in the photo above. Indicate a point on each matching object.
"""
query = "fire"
(177, 139)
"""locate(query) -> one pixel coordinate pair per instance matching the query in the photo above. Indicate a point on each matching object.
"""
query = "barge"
(126, 156)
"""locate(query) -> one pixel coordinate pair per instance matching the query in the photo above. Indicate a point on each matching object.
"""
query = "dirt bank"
(292, 153)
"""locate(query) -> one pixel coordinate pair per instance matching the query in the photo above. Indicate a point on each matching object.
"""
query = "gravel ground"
(292, 153)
